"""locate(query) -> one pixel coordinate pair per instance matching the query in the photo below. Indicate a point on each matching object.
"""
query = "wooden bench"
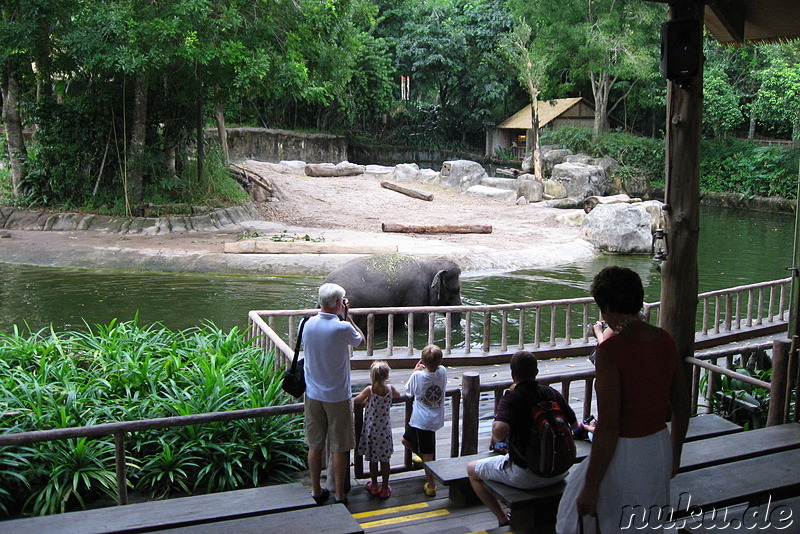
(752, 481)
(329, 519)
(452, 472)
(171, 513)
(723, 452)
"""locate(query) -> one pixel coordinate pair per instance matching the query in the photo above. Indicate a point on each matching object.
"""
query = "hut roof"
(548, 110)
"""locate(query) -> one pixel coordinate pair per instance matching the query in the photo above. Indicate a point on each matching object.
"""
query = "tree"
(530, 69)
(721, 113)
(604, 41)
(778, 99)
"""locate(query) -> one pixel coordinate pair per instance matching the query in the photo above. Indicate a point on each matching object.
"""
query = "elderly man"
(328, 402)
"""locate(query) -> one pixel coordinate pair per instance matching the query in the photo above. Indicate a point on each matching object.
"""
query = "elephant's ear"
(435, 292)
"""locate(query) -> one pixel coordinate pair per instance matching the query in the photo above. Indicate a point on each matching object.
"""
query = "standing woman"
(639, 384)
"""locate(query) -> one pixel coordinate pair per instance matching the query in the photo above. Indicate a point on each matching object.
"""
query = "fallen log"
(267, 246)
(590, 202)
(408, 191)
(437, 228)
(327, 170)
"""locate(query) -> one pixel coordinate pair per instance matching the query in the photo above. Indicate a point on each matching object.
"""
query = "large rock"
(461, 174)
(619, 228)
(405, 172)
(501, 183)
(551, 158)
(554, 189)
(581, 180)
(428, 175)
(579, 158)
(492, 192)
(530, 188)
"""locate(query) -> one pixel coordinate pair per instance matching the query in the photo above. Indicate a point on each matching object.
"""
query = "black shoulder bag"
(294, 379)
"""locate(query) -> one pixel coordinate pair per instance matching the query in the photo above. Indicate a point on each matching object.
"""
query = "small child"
(427, 385)
(376, 434)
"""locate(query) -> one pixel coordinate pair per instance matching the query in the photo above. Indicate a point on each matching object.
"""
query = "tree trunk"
(601, 89)
(751, 130)
(201, 140)
(170, 140)
(223, 133)
(137, 148)
(14, 141)
(532, 142)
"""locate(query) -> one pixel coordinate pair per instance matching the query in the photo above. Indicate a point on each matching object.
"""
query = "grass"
(123, 372)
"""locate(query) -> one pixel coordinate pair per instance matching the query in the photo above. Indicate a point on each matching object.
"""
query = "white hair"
(329, 294)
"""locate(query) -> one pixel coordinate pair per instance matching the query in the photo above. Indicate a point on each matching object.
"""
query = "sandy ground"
(339, 210)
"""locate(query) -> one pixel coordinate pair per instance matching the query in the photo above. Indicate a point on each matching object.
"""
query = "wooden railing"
(556, 327)
(465, 407)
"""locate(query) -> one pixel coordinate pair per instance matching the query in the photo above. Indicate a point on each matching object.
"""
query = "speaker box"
(681, 49)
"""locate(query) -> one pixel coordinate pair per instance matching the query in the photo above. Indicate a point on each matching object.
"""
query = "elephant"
(397, 280)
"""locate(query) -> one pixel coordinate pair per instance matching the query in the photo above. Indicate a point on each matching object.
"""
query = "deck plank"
(154, 515)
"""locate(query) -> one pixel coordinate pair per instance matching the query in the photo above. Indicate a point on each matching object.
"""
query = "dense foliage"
(726, 165)
(124, 372)
(105, 101)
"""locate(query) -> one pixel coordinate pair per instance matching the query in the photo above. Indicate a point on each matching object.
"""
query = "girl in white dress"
(376, 443)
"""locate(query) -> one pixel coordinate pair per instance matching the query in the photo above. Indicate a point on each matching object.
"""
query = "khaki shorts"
(332, 421)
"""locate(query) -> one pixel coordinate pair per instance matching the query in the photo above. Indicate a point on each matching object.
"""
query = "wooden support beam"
(414, 193)
(437, 228)
(682, 198)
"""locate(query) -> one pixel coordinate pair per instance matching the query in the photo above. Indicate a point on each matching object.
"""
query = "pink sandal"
(386, 491)
(373, 489)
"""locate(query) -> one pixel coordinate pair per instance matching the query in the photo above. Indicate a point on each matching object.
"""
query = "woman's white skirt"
(634, 490)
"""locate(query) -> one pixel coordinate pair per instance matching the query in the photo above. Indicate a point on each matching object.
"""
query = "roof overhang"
(739, 21)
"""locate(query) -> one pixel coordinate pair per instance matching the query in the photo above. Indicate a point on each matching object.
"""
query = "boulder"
(492, 192)
(405, 172)
(581, 180)
(551, 158)
(609, 165)
(571, 217)
(656, 210)
(619, 228)
(461, 174)
(501, 183)
(554, 189)
(530, 188)
(635, 183)
(428, 175)
(579, 158)
(527, 162)
(294, 164)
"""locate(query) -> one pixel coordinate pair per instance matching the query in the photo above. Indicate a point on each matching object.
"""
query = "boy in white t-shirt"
(427, 385)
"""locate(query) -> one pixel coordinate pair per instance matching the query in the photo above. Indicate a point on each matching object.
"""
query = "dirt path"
(347, 210)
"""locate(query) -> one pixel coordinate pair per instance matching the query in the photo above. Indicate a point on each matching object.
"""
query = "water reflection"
(736, 247)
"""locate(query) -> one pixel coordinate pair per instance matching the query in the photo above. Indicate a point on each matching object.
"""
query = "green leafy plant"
(123, 372)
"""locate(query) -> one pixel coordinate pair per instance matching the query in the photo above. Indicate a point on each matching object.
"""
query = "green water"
(736, 247)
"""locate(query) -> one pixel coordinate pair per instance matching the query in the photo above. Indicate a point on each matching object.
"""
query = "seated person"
(512, 425)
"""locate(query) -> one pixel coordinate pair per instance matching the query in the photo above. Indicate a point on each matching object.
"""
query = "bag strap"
(299, 342)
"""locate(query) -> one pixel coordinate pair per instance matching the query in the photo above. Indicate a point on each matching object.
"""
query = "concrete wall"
(265, 144)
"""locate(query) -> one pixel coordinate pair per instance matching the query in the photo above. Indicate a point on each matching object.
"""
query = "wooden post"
(122, 477)
(679, 285)
(791, 380)
(470, 396)
(777, 392)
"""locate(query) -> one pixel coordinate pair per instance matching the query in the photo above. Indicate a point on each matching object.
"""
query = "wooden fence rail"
(538, 325)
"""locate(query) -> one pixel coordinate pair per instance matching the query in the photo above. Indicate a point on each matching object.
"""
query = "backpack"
(550, 450)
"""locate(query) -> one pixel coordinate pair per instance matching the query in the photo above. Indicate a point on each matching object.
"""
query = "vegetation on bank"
(126, 372)
(726, 164)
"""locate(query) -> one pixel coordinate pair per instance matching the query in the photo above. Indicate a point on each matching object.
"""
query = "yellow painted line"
(403, 519)
(393, 510)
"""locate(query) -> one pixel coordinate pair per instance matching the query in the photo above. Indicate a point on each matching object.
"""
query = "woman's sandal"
(373, 489)
(506, 522)
(386, 491)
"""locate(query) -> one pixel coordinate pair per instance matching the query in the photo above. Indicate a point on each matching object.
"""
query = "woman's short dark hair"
(524, 365)
(619, 290)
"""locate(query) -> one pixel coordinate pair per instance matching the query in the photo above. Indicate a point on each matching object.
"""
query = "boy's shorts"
(422, 441)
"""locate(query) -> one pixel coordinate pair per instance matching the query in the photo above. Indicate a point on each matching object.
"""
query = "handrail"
(532, 325)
